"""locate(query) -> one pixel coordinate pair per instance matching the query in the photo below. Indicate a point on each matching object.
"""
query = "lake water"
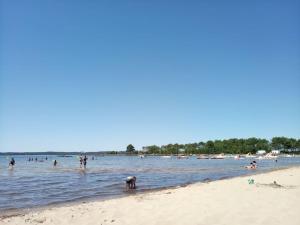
(35, 184)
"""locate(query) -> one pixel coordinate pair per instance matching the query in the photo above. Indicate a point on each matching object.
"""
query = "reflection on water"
(32, 184)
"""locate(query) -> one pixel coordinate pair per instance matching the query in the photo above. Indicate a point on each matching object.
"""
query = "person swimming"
(252, 165)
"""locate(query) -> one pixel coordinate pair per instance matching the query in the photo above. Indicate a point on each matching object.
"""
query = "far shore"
(229, 201)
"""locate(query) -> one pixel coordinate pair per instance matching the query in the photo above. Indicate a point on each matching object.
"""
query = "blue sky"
(98, 75)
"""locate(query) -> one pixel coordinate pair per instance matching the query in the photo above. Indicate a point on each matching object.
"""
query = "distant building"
(181, 150)
(293, 150)
(145, 149)
(261, 152)
(275, 152)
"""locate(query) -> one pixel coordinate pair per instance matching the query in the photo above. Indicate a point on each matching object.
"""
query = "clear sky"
(98, 75)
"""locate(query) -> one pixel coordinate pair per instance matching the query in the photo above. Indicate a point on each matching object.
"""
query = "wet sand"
(232, 201)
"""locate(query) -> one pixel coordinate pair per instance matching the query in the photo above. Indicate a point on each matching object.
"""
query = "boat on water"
(166, 156)
(249, 155)
(237, 157)
(182, 157)
(220, 156)
(268, 156)
(202, 157)
(142, 156)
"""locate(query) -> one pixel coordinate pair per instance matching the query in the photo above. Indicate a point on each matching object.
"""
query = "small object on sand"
(250, 181)
(130, 182)
(206, 180)
(275, 184)
(40, 220)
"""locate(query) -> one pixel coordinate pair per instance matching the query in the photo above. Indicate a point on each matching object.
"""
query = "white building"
(181, 150)
(275, 152)
(261, 152)
(145, 149)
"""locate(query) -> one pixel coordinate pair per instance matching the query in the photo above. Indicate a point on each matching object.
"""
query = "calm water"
(32, 184)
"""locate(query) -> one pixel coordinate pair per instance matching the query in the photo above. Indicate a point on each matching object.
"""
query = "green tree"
(130, 149)
(210, 147)
(153, 149)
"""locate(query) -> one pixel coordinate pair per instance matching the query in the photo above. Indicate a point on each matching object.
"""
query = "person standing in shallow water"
(81, 161)
(12, 162)
(85, 161)
(55, 163)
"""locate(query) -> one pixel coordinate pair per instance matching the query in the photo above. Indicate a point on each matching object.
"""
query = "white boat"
(271, 157)
(249, 155)
(237, 157)
(220, 156)
(202, 157)
(182, 157)
(268, 156)
(166, 156)
(142, 156)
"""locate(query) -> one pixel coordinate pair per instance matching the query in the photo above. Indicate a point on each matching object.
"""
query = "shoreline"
(60, 206)
(22, 211)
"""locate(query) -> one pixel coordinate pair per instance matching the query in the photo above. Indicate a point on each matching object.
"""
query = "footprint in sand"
(40, 220)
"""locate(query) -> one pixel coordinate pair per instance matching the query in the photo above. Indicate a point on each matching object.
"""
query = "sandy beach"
(232, 201)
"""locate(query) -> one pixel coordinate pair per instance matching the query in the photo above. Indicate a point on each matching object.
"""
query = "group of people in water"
(252, 166)
(130, 181)
(82, 160)
(36, 159)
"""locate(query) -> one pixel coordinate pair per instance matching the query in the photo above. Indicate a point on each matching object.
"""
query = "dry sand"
(231, 201)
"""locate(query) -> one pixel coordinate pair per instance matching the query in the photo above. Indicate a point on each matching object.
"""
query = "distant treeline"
(229, 146)
(100, 153)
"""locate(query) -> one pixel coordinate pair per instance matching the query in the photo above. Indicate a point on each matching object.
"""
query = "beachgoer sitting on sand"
(130, 182)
